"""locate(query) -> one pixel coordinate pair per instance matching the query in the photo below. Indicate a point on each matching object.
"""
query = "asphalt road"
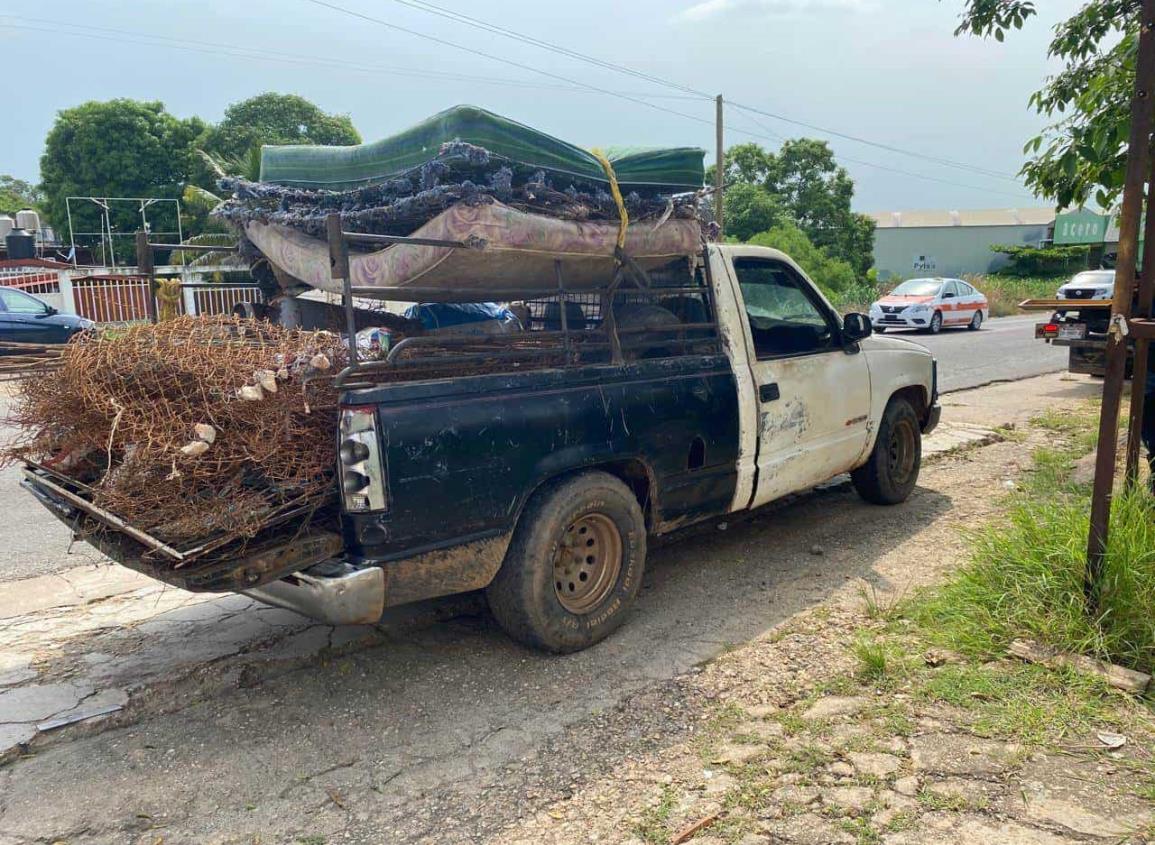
(1004, 349)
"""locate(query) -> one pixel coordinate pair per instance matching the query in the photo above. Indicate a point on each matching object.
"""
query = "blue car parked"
(26, 319)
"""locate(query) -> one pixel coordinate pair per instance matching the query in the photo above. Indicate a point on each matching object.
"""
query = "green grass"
(1026, 575)
(653, 826)
(1004, 293)
(1027, 580)
(873, 657)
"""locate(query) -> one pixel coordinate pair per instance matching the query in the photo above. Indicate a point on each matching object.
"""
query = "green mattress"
(342, 168)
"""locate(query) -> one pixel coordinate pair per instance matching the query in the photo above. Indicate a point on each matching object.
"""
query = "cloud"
(709, 9)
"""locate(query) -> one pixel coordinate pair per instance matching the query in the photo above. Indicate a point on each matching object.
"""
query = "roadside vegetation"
(1003, 292)
(1026, 579)
(927, 685)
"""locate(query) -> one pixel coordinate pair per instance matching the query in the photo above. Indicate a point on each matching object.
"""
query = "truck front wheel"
(574, 565)
(889, 475)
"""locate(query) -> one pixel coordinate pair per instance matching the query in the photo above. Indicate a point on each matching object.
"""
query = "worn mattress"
(518, 258)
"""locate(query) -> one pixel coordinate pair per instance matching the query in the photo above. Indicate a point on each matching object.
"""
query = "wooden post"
(146, 266)
(719, 167)
(1137, 154)
(1142, 344)
(339, 271)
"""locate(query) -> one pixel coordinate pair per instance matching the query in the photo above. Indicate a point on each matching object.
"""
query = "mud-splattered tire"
(889, 475)
(935, 323)
(574, 565)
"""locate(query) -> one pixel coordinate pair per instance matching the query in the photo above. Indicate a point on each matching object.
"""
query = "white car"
(930, 305)
(1090, 284)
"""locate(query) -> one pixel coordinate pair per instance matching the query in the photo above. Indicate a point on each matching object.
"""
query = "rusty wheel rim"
(587, 563)
(900, 451)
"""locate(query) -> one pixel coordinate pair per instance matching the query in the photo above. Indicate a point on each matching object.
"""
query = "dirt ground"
(448, 733)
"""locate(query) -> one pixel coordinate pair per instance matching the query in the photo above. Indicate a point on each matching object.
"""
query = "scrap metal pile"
(189, 429)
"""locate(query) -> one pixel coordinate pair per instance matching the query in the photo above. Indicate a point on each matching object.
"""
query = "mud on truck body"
(535, 465)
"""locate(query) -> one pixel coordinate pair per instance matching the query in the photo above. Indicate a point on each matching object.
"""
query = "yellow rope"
(616, 192)
(168, 295)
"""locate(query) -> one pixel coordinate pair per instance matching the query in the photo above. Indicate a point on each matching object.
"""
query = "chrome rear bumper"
(351, 597)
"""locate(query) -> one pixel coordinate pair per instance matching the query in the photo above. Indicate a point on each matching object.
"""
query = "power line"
(246, 52)
(259, 54)
(981, 171)
(474, 51)
(431, 8)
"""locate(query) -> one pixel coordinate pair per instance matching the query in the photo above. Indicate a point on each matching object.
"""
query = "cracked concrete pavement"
(207, 716)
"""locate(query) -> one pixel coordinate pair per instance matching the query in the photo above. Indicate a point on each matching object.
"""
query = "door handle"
(768, 392)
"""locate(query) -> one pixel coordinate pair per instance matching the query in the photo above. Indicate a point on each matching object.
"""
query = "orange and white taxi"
(930, 305)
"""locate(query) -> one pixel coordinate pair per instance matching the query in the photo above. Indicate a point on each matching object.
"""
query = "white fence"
(121, 297)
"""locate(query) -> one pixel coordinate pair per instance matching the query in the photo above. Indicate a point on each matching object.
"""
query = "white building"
(951, 243)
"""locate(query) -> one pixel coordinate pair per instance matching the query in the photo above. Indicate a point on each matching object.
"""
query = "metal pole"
(719, 167)
(339, 269)
(1142, 345)
(1137, 153)
(146, 266)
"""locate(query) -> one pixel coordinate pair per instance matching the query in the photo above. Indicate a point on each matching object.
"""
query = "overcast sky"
(887, 70)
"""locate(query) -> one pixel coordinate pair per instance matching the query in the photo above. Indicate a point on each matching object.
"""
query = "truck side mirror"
(855, 327)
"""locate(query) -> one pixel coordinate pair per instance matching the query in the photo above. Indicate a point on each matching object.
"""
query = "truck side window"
(784, 317)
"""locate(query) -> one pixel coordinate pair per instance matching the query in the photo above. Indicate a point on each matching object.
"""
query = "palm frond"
(205, 259)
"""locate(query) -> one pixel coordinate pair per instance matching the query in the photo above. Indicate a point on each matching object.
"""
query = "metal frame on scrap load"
(627, 268)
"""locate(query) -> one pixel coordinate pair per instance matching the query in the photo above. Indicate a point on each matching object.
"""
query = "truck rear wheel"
(574, 565)
(890, 473)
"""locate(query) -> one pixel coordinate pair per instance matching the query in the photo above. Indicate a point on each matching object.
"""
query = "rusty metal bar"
(339, 272)
(194, 248)
(367, 238)
(1138, 148)
(102, 515)
(719, 166)
(1142, 344)
(146, 265)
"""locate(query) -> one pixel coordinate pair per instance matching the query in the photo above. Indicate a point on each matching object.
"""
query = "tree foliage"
(831, 274)
(118, 148)
(276, 119)
(751, 209)
(16, 194)
(1031, 261)
(1082, 153)
(801, 183)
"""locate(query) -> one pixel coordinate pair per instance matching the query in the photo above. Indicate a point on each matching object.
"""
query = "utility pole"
(1138, 147)
(719, 165)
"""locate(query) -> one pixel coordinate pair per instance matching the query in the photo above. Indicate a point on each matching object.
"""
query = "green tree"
(118, 148)
(831, 274)
(801, 182)
(1082, 153)
(275, 119)
(16, 194)
(751, 209)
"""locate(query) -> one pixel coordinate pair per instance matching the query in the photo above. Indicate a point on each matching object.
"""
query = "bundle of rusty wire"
(190, 428)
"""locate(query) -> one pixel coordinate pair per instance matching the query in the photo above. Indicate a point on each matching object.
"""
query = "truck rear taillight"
(359, 462)
(1050, 329)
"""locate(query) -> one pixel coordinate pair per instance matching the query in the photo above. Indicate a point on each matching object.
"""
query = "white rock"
(205, 432)
(267, 379)
(195, 449)
(250, 393)
(320, 362)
